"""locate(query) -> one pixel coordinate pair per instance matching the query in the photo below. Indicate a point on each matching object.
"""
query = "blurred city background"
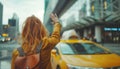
(91, 19)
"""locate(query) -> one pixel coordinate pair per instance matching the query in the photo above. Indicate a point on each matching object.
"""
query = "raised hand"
(54, 18)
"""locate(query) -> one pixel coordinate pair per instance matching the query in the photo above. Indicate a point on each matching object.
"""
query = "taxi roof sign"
(70, 34)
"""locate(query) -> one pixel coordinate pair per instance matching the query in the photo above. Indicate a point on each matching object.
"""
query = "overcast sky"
(23, 8)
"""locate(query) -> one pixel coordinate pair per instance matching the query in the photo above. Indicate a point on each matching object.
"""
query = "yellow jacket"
(45, 53)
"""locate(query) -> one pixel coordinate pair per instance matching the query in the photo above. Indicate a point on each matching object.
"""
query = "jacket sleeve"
(14, 55)
(55, 36)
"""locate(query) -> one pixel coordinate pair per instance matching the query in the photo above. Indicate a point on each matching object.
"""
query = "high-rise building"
(46, 4)
(15, 17)
(1, 17)
(12, 22)
(49, 7)
(5, 29)
(14, 26)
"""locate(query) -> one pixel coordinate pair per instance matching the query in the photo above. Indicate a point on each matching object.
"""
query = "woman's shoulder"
(15, 52)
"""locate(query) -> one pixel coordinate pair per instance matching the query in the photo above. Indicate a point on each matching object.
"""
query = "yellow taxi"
(83, 54)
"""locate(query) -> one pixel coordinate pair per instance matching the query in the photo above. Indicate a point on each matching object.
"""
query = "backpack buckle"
(27, 67)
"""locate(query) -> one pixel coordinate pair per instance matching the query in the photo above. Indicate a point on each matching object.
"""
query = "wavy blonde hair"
(32, 34)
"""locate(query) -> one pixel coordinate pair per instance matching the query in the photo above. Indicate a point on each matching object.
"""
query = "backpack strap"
(21, 52)
(39, 47)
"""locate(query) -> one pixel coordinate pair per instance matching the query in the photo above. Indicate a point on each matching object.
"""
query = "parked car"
(83, 54)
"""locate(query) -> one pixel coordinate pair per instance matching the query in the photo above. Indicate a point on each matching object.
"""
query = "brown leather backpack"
(24, 61)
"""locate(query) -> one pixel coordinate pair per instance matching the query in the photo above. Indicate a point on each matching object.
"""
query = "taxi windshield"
(81, 48)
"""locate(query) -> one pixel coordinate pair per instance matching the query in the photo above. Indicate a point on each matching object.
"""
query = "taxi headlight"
(78, 67)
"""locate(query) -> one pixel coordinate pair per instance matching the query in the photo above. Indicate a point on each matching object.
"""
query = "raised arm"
(55, 36)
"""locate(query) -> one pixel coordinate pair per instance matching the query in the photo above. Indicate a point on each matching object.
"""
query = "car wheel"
(58, 67)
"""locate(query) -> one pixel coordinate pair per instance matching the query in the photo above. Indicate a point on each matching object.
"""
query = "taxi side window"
(66, 49)
(79, 48)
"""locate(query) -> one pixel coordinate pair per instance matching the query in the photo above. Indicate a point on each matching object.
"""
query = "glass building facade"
(49, 7)
(46, 4)
(73, 14)
(107, 32)
(13, 26)
(1, 17)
